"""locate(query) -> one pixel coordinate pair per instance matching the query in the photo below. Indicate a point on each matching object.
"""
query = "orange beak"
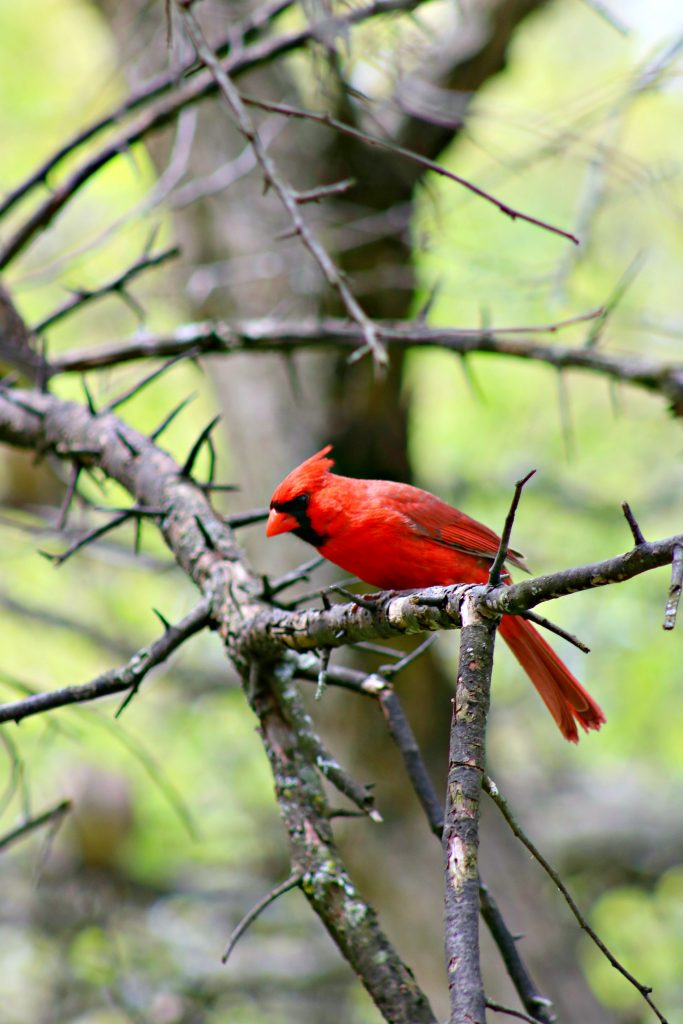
(280, 522)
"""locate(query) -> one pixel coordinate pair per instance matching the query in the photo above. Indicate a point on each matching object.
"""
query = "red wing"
(445, 525)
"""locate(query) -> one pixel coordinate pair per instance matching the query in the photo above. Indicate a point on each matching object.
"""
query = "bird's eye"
(297, 504)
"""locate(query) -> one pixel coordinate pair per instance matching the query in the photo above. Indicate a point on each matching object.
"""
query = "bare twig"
(404, 738)
(402, 734)
(325, 882)
(282, 189)
(51, 817)
(303, 572)
(314, 195)
(290, 883)
(503, 547)
(390, 671)
(499, 1008)
(540, 620)
(674, 595)
(319, 756)
(83, 296)
(342, 128)
(259, 633)
(503, 806)
(637, 533)
(535, 1003)
(127, 677)
(92, 535)
(240, 59)
(121, 516)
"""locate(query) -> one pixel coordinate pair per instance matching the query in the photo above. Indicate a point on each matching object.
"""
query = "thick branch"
(210, 556)
(466, 768)
(45, 423)
(324, 880)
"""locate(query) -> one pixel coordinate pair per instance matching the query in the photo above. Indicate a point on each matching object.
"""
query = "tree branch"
(466, 766)
(220, 337)
(128, 677)
(158, 105)
(502, 805)
(52, 817)
(257, 635)
(280, 186)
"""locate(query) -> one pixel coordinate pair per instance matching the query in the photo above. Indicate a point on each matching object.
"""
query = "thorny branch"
(213, 561)
(502, 804)
(261, 640)
(128, 677)
(258, 635)
(407, 154)
(282, 189)
(157, 105)
(52, 817)
(269, 335)
(117, 286)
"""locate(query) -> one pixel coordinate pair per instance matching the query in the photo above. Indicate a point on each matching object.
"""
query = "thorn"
(88, 396)
(43, 375)
(68, 497)
(186, 471)
(141, 384)
(427, 305)
(149, 244)
(209, 487)
(258, 515)
(636, 532)
(127, 699)
(15, 400)
(212, 459)
(172, 415)
(127, 444)
(162, 619)
(208, 539)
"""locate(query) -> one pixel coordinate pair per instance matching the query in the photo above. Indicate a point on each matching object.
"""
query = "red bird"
(398, 537)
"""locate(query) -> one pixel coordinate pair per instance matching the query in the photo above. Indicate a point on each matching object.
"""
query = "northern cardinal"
(398, 537)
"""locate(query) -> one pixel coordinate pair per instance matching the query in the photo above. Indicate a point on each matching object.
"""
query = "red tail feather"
(563, 695)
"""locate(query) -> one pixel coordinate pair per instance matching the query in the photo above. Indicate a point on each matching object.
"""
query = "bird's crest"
(305, 477)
